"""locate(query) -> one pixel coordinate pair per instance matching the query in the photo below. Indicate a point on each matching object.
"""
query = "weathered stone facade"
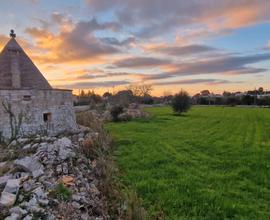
(41, 112)
(28, 104)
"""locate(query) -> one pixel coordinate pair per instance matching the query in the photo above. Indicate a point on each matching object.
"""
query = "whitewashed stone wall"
(32, 105)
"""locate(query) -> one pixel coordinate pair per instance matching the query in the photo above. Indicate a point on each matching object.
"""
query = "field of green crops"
(211, 163)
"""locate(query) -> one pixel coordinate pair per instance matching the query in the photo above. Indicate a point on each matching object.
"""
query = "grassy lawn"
(212, 163)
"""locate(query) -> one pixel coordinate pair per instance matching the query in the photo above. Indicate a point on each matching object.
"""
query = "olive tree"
(181, 102)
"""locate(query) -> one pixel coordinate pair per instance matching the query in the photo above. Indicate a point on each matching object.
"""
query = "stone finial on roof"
(12, 33)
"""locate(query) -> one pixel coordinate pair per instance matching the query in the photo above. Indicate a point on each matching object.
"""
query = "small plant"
(61, 192)
(116, 111)
(181, 102)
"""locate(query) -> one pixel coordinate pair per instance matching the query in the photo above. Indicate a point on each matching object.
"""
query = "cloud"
(38, 33)
(95, 74)
(24, 43)
(89, 75)
(163, 16)
(267, 46)
(224, 65)
(194, 81)
(76, 45)
(27, 1)
(3, 40)
(116, 42)
(184, 50)
(68, 40)
(89, 85)
(58, 18)
(140, 62)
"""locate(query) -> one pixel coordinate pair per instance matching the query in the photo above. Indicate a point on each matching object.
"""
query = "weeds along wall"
(28, 112)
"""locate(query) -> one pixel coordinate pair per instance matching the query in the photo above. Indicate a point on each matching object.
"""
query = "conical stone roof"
(17, 71)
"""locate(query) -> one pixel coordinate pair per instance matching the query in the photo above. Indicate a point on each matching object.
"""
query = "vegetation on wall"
(15, 120)
(123, 202)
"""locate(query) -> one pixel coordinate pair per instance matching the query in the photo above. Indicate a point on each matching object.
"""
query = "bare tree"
(15, 121)
(145, 90)
(142, 90)
(134, 88)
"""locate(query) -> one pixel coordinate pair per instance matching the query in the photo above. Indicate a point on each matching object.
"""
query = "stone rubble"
(29, 164)
(53, 180)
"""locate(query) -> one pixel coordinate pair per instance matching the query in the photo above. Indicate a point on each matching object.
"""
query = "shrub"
(181, 102)
(116, 111)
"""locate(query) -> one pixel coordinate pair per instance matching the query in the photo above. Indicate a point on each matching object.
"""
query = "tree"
(261, 90)
(205, 92)
(181, 102)
(227, 94)
(145, 90)
(142, 90)
(247, 100)
(148, 100)
(81, 93)
(107, 95)
(89, 97)
(123, 98)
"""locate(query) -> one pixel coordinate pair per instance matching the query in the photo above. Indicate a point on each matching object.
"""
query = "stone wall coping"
(25, 89)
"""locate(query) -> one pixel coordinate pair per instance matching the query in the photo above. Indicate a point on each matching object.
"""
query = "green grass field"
(212, 163)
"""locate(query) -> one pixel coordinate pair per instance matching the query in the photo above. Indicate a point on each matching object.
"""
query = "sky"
(105, 45)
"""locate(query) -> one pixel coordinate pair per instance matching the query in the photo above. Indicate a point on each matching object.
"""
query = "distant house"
(28, 104)
(262, 96)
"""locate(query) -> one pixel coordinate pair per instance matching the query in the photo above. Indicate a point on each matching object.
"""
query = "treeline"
(253, 97)
(140, 94)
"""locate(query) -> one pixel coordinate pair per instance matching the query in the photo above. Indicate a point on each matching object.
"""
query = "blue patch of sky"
(244, 40)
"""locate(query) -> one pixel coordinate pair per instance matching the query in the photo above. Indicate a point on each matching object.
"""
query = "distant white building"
(262, 96)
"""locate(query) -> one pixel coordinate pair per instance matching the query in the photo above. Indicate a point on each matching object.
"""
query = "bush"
(181, 102)
(116, 111)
